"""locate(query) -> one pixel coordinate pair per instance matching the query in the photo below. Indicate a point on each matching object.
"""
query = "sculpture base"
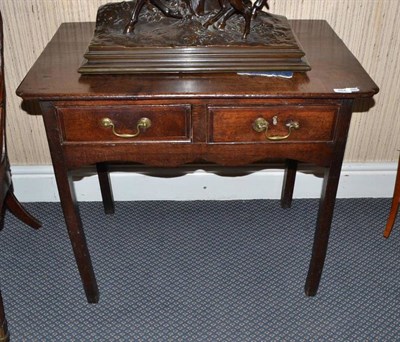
(162, 44)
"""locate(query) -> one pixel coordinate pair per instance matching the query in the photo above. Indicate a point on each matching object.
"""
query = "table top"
(54, 76)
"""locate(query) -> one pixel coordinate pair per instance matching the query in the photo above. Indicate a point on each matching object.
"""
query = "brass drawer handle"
(142, 125)
(260, 125)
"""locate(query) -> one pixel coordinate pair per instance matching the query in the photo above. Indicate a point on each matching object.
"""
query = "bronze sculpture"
(258, 6)
(169, 36)
(227, 9)
(157, 3)
(230, 7)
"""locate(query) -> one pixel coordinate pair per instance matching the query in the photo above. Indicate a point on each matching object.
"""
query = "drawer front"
(126, 123)
(271, 123)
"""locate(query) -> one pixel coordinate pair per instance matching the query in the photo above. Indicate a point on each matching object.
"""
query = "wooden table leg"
(395, 205)
(105, 187)
(76, 234)
(69, 205)
(4, 336)
(322, 230)
(288, 183)
(327, 201)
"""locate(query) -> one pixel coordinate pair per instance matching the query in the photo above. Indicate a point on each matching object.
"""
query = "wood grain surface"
(369, 28)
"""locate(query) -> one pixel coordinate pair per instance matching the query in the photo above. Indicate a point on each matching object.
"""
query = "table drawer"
(271, 123)
(126, 123)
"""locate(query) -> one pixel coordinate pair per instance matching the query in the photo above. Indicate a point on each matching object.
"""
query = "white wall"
(37, 184)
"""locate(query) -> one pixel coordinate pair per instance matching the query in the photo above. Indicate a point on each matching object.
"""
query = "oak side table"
(170, 120)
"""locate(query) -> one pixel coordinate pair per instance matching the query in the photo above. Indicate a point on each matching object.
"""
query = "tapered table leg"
(105, 187)
(69, 205)
(327, 201)
(322, 230)
(288, 183)
(76, 234)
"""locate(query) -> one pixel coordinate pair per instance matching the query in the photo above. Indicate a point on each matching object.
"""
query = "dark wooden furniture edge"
(76, 36)
(334, 67)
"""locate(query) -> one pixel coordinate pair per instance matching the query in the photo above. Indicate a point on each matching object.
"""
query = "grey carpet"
(203, 271)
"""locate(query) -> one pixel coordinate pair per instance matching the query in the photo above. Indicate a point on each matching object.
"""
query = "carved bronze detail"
(157, 3)
(228, 8)
(191, 36)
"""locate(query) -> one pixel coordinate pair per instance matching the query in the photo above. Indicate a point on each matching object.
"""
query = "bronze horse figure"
(244, 7)
(157, 3)
(230, 7)
(196, 7)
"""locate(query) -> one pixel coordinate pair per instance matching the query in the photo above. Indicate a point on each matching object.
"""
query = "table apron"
(178, 154)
